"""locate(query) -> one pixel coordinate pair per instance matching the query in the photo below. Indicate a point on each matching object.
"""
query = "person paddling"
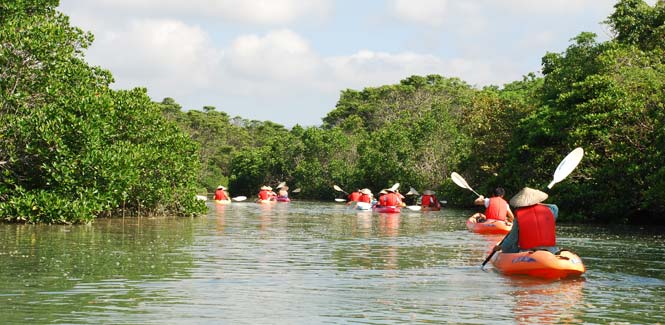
(496, 207)
(535, 223)
(266, 194)
(365, 196)
(354, 197)
(221, 194)
(390, 199)
(428, 200)
(283, 192)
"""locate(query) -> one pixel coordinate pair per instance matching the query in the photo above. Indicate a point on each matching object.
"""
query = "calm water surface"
(311, 263)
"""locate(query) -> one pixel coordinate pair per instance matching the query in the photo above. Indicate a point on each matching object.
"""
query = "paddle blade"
(340, 200)
(414, 207)
(395, 187)
(567, 165)
(459, 180)
(201, 197)
(337, 188)
(239, 198)
(296, 190)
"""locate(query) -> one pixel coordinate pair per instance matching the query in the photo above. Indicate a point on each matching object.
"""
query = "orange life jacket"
(536, 226)
(355, 196)
(265, 195)
(390, 200)
(365, 198)
(497, 209)
(220, 195)
(429, 201)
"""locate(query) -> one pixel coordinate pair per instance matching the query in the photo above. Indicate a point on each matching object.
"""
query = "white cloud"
(161, 54)
(553, 6)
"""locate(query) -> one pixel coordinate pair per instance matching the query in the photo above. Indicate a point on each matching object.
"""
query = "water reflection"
(546, 302)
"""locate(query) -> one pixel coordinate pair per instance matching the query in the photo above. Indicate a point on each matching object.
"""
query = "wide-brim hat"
(266, 188)
(429, 192)
(384, 191)
(366, 191)
(390, 190)
(221, 187)
(527, 196)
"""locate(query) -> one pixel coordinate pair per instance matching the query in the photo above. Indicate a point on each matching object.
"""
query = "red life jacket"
(365, 198)
(265, 195)
(220, 195)
(536, 225)
(355, 196)
(497, 209)
(429, 201)
(390, 200)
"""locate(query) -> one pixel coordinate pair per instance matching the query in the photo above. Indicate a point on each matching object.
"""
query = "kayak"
(223, 201)
(430, 209)
(265, 201)
(489, 226)
(283, 199)
(387, 209)
(363, 206)
(540, 263)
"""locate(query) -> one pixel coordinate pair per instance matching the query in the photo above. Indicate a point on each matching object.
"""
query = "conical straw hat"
(527, 196)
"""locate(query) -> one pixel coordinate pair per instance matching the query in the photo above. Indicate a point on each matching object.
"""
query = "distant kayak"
(363, 206)
(489, 226)
(223, 201)
(430, 209)
(540, 263)
(283, 199)
(387, 209)
(265, 201)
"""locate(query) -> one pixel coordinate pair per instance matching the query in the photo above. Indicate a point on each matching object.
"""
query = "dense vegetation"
(606, 97)
(72, 149)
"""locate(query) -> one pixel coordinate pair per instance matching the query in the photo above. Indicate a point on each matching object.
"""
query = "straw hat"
(266, 188)
(384, 191)
(366, 191)
(221, 187)
(429, 192)
(526, 197)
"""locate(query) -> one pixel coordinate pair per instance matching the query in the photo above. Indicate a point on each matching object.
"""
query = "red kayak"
(283, 199)
(387, 209)
(489, 226)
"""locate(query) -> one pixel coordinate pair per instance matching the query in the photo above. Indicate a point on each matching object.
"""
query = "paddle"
(239, 198)
(296, 190)
(566, 166)
(461, 182)
(414, 207)
(340, 200)
(337, 188)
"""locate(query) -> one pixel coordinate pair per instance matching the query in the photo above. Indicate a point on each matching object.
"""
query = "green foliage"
(74, 149)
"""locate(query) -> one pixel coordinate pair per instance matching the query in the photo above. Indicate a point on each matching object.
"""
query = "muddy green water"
(313, 263)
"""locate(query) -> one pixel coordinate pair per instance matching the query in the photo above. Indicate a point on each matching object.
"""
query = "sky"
(287, 61)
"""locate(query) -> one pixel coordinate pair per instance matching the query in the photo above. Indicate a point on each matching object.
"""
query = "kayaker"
(221, 194)
(535, 223)
(390, 199)
(365, 195)
(283, 192)
(266, 194)
(429, 200)
(496, 207)
(354, 196)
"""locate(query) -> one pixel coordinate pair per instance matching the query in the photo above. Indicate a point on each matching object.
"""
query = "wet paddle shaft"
(566, 166)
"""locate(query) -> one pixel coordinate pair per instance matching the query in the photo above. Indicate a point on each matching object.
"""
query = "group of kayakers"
(391, 197)
(266, 194)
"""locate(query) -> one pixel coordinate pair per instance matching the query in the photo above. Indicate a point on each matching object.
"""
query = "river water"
(313, 263)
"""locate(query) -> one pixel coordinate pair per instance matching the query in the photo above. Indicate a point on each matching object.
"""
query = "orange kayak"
(541, 263)
(490, 226)
(223, 201)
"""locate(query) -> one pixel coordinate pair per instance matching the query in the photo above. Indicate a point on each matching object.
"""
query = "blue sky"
(288, 60)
